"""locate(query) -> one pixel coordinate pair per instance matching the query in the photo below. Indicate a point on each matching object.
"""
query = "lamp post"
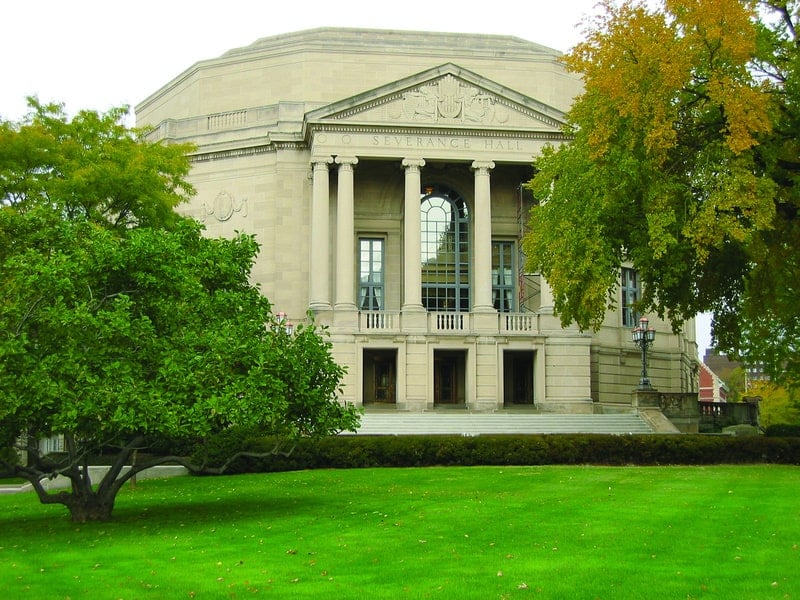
(284, 323)
(643, 336)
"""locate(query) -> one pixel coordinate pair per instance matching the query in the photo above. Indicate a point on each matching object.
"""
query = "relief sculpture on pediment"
(450, 101)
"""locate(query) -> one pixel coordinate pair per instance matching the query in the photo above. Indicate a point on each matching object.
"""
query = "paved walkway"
(399, 423)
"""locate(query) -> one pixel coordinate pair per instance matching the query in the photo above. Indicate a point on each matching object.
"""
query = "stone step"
(488, 423)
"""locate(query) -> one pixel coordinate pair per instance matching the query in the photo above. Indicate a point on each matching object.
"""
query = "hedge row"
(555, 449)
(783, 430)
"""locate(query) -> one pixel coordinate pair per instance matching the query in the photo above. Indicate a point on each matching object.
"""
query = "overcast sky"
(97, 54)
(102, 53)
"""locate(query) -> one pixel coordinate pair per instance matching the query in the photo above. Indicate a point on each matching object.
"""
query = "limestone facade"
(382, 173)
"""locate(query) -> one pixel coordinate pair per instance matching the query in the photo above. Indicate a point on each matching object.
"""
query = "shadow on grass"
(262, 507)
(156, 503)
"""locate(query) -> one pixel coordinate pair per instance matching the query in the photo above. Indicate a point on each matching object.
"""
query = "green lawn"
(483, 533)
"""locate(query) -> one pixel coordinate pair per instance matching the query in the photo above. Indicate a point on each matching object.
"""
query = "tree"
(121, 323)
(684, 160)
(778, 405)
(91, 167)
(736, 380)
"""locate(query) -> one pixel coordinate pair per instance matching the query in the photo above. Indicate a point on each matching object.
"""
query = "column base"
(319, 306)
(484, 308)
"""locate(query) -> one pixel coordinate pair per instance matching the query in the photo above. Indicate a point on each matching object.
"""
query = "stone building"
(382, 172)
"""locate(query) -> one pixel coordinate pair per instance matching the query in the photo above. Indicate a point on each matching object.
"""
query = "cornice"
(435, 131)
(269, 148)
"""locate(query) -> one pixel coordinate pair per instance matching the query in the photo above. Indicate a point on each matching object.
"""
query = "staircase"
(438, 423)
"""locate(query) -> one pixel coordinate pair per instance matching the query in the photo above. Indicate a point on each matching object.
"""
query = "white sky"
(97, 54)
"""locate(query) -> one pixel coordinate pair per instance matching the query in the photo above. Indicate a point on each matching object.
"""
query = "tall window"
(371, 280)
(445, 250)
(503, 276)
(631, 292)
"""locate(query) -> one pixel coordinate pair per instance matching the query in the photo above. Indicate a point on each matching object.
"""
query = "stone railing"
(448, 322)
(519, 323)
(444, 322)
(724, 414)
(378, 321)
(227, 120)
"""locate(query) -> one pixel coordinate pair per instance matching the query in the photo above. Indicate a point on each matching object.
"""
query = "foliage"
(91, 166)
(736, 380)
(683, 160)
(347, 452)
(778, 405)
(118, 329)
(782, 430)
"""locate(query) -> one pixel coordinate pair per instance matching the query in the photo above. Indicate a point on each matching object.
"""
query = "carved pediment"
(447, 97)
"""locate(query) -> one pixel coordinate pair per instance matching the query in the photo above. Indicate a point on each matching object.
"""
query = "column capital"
(322, 161)
(413, 163)
(482, 165)
(347, 161)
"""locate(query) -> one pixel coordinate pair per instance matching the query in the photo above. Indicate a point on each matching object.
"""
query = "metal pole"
(644, 383)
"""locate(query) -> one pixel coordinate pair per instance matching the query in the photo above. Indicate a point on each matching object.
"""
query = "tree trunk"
(90, 508)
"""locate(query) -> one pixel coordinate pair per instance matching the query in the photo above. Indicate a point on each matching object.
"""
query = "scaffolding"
(529, 287)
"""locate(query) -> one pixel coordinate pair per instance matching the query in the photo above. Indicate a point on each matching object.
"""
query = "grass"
(483, 533)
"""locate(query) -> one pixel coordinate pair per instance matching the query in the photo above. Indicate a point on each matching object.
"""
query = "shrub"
(342, 452)
(782, 430)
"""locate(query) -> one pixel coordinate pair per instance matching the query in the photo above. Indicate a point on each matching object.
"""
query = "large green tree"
(684, 159)
(121, 323)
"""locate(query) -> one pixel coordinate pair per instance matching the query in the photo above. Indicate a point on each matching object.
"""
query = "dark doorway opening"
(449, 377)
(518, 377)
(380, 377)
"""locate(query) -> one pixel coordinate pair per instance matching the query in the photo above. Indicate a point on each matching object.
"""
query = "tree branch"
(27, 315)
(111, 482)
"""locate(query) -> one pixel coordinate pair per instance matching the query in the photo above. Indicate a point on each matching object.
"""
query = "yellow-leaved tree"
(685, 160)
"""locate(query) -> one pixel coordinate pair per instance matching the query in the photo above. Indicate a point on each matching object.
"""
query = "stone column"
(320, 285)
(412, 251)
(546, 300)
(345, 235)
(482, 251)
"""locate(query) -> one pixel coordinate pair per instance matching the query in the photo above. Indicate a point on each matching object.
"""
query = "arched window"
(445, 250)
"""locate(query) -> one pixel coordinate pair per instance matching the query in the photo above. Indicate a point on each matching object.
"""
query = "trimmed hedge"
(342, 452)
(782, 430)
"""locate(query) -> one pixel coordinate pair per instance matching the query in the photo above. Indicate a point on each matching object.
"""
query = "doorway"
(380, 377)
(449, 376)
(518, 377)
